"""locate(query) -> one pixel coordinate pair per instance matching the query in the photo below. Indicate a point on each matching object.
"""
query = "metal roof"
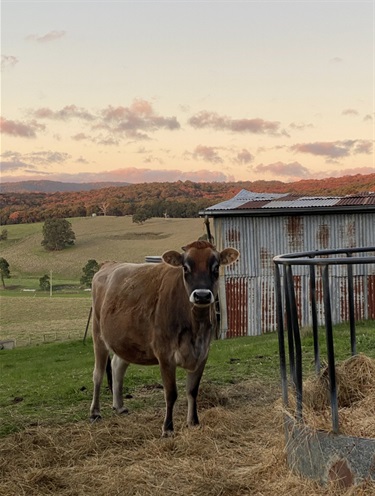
(265, 203)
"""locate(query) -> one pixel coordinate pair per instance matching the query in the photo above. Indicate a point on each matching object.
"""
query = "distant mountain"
(54, 186)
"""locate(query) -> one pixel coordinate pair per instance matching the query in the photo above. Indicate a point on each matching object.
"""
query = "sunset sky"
(186, 90)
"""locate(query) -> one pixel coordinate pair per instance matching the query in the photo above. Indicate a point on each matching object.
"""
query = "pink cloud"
(139, 116)
(133, 122)
(131, 175)
(244, 157)
(300, 126)
(346, 172)
(205, 119)
(51, 36)
(207, 153)
(350, 111)
(80, 137)
(291, 170)
(66, 113)
(334, 149)
(8, 61)
(18, 129)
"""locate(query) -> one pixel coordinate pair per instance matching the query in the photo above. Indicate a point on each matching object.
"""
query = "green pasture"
(51, 383)
(101, 238)
(29, 318)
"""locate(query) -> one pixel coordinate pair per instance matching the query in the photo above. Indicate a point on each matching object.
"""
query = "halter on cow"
(162, 314)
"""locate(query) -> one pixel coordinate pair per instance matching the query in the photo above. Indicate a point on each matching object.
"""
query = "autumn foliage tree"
(57, 234)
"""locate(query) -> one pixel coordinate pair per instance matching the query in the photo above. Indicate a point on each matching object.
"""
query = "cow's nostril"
(202, 296)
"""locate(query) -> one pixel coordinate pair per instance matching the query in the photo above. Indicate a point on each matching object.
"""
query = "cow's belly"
(131, 343)
(132, 353)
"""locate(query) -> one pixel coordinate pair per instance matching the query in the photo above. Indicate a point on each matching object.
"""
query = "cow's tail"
(87, 325)
(108, 370)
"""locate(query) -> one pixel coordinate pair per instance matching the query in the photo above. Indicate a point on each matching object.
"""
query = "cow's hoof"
(95, 418)
(121, 411)
(166, 434)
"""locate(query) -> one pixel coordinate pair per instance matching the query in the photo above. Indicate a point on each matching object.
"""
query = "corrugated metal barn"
(262, 226)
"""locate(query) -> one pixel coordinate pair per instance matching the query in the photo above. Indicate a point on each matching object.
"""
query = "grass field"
(37, 319)
(49, 447)
(54, 380)
(100, 238)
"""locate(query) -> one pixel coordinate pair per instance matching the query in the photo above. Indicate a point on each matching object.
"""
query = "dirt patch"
(237, 450)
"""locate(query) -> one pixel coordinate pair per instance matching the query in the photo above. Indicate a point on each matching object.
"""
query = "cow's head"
(200, 262)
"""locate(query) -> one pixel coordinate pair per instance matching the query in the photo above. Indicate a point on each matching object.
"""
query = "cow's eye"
(215, 271)
(186, 269)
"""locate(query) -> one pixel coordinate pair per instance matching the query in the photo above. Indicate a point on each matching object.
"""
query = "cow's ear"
(228, 256)
(173, 258)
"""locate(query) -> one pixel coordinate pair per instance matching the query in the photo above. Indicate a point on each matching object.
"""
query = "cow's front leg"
(119, 367)
(192, 387)
(168, 374)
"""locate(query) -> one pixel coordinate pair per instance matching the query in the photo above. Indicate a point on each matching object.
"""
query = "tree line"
(178, 199)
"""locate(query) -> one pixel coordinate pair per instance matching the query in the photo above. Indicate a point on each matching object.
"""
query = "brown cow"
(157, 314)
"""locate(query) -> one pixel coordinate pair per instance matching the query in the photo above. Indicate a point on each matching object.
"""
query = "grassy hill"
(100, 238)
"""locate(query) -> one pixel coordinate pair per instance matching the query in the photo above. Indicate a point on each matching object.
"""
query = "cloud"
(243, 157)
(80, 137)
(293, 170)
(139, 116)
(367, 117)
(363, 146)
(50, 36)
(82, 160)
(131, 175)
(207, 153)
(8, 61)
(350, 111)
(205, 119)
(66, 113)
(334, 149)
(336, 60)
(151, 159)
(299, 126)
(345, 172)
(133, 122)
(14, 160)
(14, 165)
(19, 129)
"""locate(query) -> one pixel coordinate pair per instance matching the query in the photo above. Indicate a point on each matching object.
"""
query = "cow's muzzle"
(202, 297)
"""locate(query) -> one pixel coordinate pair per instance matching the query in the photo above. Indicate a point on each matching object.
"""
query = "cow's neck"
(201, 319)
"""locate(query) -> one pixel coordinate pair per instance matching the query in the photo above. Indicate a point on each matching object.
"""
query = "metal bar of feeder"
(314, 317)
(280, 329)
(330, 350)
(289, 328)
(297, 341)
(353, 343)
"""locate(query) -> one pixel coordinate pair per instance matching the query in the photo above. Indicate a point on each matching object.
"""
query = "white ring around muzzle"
(202, 297)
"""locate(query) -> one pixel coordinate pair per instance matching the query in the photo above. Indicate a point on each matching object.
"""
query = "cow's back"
(133, 301)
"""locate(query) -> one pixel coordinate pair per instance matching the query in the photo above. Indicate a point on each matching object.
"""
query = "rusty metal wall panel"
(371, 296)
(237, 306)
(259, 239)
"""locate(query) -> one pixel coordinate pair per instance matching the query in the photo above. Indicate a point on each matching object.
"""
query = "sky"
(141, 91)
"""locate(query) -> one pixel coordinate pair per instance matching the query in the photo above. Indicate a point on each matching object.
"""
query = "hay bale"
(355, 379)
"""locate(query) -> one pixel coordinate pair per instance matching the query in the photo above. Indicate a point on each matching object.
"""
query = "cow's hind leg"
(168, 374)
(101, 357)
(119, 367)
(192, 388)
